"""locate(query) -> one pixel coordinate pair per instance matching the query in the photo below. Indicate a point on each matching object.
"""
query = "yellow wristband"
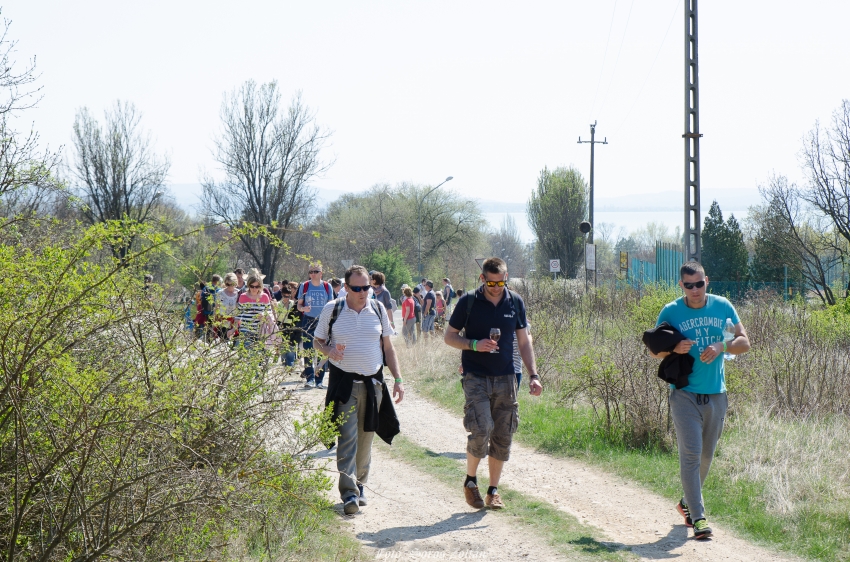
(474, 342)
(724, 347)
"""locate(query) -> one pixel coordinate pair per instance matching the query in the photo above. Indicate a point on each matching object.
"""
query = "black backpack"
(207, 301)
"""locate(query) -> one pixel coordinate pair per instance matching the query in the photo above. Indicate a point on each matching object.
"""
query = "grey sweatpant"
(699, 422)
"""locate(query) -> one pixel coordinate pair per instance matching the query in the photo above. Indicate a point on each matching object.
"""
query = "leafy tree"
(392, 264)
(724, 254)
(771, 240)
(269, 156)
(555, 210)
(385, 218)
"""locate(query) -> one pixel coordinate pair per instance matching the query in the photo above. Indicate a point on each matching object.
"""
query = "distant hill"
(728, 199)
(188, 197)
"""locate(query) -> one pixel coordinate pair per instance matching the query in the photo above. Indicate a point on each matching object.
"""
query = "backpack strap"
(377, 308)
(340, 303)
(514, 301)
(470, 300)
(328, 290)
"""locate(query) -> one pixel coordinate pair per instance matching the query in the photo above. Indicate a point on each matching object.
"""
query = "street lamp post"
(419, 224)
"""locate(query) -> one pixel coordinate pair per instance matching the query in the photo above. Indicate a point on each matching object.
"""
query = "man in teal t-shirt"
(699, 409)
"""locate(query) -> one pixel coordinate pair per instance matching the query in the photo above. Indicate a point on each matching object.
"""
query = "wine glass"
(494, 335)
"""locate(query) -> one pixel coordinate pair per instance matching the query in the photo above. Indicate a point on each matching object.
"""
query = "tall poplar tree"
(555, 210)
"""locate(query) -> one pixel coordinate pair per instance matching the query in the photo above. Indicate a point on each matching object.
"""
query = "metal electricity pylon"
(693, 243)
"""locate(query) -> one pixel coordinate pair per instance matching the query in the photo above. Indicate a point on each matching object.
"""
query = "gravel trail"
(413, 516)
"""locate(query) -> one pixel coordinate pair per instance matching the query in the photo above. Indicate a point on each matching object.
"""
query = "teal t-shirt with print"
(704, 326)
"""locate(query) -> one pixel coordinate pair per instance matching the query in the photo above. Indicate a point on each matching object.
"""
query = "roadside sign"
(624, 260)
(347, 263)
(554, 266)
(590, 257)
(480, 262)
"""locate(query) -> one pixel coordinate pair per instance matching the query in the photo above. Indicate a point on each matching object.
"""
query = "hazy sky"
(488, 92)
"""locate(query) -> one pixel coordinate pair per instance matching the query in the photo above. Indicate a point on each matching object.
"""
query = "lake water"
(629, 221)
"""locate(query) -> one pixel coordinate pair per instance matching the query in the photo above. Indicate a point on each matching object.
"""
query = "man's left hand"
(534, 387)
(398, 390)
(711, 352)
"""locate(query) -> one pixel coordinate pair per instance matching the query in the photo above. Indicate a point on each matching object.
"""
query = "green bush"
(119, 435)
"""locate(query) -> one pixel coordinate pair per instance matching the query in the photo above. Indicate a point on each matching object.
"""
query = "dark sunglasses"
(357, 289)
(313, 271)
(495, 283)
(698, 285)
(254, 286)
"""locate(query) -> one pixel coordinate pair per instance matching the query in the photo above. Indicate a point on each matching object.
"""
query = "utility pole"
(693, 243)
(590, 204)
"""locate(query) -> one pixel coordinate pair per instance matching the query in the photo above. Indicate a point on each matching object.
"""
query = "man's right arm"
(455, 340)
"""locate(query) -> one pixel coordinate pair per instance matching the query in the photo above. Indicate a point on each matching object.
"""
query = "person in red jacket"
(408, 316)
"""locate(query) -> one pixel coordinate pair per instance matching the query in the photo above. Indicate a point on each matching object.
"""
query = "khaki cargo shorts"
(490, 415)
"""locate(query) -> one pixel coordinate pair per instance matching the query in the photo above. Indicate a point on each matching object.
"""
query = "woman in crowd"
(226, 305)
(253, 311)
(382, 294)
(408, 316)
(288, 320)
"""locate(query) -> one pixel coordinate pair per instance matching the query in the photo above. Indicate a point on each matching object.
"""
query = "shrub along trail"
(410, 511)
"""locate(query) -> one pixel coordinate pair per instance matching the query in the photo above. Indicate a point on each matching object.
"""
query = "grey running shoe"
(362, 495)
(701, 529)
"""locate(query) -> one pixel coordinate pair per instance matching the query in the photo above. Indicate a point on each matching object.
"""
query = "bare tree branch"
(268, 160)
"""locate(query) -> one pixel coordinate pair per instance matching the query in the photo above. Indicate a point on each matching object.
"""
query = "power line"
(649, 73)
(617, 60)
(604, 56)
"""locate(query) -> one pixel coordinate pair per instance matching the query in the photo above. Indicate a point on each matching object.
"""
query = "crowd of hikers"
(244, 310)
(349, 323)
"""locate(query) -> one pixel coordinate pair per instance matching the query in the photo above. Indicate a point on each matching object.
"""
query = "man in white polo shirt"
(354, 333)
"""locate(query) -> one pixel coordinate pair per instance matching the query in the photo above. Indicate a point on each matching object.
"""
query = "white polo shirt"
(360, 332)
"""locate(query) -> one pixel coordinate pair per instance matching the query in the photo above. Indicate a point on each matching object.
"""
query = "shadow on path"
(389, 537)
(456, 456)
(660, 549)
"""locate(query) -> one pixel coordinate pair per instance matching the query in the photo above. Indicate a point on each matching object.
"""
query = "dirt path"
(411, 513)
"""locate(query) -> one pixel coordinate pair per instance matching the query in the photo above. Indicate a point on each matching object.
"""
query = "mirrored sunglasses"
(495, 283)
